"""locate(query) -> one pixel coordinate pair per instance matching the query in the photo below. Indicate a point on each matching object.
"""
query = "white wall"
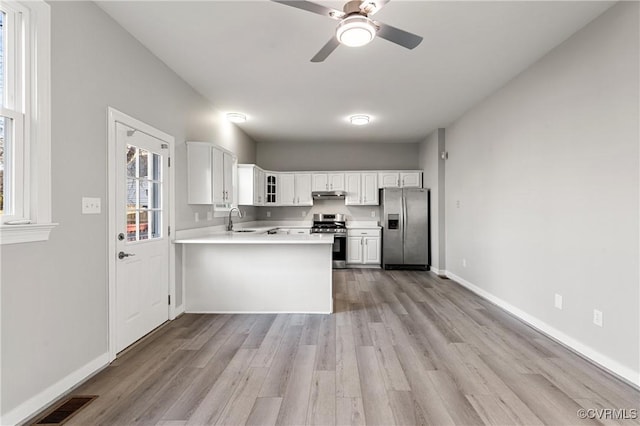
(336, 156)
(546, 171)
(433, 178)
(54, 294)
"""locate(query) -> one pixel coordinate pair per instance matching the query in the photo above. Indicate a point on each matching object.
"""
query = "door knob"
(122, 255)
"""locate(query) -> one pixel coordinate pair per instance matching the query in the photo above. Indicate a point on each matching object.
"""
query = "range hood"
(328, 195)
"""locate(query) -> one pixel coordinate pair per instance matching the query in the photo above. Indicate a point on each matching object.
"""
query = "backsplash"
(319, 206)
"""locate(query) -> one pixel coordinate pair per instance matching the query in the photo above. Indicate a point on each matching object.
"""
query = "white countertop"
(260, 236)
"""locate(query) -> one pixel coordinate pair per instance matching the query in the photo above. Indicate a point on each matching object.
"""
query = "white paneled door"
(142, 223)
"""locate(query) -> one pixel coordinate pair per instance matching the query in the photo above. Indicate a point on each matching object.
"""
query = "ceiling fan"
(355, 28)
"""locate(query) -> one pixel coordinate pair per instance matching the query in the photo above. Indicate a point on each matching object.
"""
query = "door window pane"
(143, 225)
(132, 194)
(132, 226)
(156, 224)
(144, 194)
(143, 160)
(157, 167)
(155, 195)
(132, 161)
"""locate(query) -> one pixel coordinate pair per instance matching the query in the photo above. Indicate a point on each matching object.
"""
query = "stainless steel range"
(333, 224)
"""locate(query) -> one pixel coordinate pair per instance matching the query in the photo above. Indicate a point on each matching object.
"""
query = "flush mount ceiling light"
(236, 117)
(355, 30)
(359, 119)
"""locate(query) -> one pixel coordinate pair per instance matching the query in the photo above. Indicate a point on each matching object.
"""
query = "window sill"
(15, 234)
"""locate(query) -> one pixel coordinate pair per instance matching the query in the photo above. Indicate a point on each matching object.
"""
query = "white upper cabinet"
(370, 188)
(320, 182)
(294, 189)
(286, 189)
(199, 173)
(354, 189)
(210, 174)
(271, 188)
(251, 185)
(303, 189)
(336, 181)
(328, 182)
(361, 188)
(222, 176)
(411, 179)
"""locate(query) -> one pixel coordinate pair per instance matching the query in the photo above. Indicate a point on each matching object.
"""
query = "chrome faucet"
(230, 225)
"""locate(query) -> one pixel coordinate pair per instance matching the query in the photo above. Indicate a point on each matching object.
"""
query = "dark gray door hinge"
(169, 297)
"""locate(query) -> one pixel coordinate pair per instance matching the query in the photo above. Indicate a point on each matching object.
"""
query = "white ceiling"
(253, 56)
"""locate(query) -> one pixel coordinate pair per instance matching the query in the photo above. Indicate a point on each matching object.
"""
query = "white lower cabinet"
(363, 247)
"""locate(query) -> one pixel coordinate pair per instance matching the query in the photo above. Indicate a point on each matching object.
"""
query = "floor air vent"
(67, 409)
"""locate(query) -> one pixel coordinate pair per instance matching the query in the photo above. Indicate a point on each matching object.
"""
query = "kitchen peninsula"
(257, 271)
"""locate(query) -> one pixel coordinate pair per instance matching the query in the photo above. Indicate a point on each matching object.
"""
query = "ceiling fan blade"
(326, 50)
(371, 7)
(398, 36)
(312, 7)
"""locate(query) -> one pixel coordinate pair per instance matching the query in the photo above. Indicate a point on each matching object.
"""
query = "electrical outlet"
(209, 215)
(458, 204)
(196, 217)
(558, 301)
(268, 214)
(304, 213)
(91, 205)
(464, 263)
(373, 213)
(597, 317)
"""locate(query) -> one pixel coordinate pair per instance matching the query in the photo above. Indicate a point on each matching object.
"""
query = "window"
(12, 113)
(144, 194)
(25, 207)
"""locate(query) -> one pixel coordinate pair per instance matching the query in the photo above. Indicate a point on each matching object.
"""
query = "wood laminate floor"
(403, 347)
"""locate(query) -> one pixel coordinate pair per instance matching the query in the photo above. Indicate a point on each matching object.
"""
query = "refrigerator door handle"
(404, 223)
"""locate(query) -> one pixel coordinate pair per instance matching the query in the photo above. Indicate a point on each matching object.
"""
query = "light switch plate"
(91, 205)
(558, 301)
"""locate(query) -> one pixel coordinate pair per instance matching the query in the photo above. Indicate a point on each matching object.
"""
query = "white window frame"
(31, 105)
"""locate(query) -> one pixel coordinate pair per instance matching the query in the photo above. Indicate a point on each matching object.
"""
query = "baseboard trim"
(624, 373)
(32, 406)
(180, 310)
(437, 271)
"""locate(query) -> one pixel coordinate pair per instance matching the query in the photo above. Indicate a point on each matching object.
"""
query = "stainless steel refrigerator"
(405, 228)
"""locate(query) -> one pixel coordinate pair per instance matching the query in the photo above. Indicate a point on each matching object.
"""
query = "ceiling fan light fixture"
(359, 119)
(236, 117)
(355, 30)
